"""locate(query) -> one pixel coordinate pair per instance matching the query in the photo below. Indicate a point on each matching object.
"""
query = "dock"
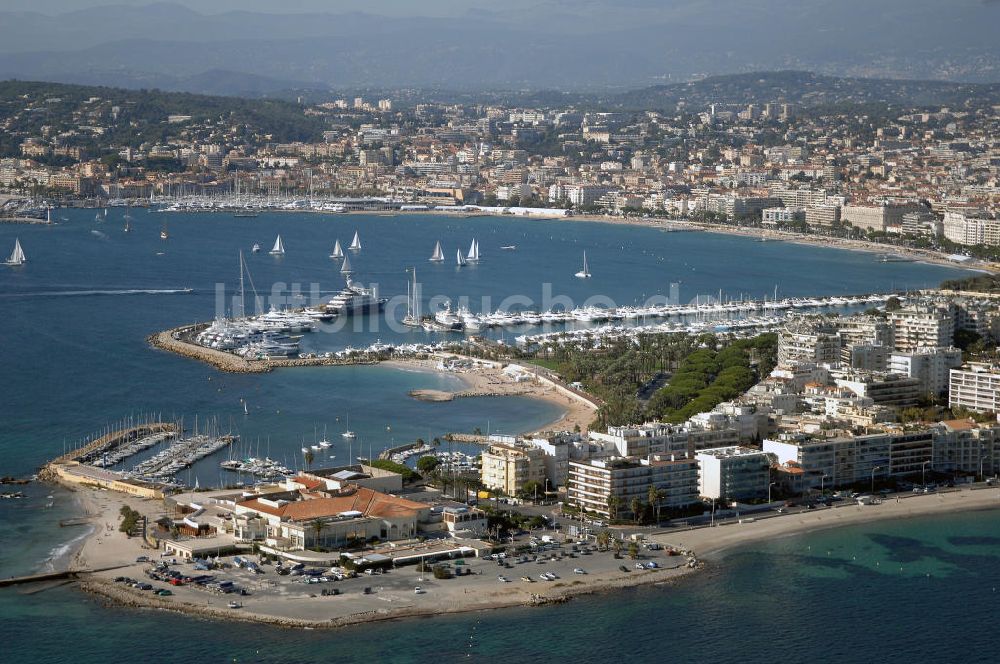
(117, 438)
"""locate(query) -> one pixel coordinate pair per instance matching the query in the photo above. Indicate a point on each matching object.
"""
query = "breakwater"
(178, 340)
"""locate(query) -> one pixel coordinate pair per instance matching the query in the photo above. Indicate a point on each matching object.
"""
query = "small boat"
(337, 251)
(509, 247)
(438, 255)
(460, 259)
(355, 243)
(98, 218)
(305, 450)
(585, 272)
(17, 256)
(279, 247)
(163, 232)
(256, 248)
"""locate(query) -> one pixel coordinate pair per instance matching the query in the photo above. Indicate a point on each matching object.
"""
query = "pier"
(118, 438)
(64, 575)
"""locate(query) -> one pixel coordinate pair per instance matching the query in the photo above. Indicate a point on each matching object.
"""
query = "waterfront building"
(608, 486)
(967, 230)
(877, 218)
(838, 458)
(297, 520)
(733, 473)
(975, 387)
(508, 467)
(966, 446)
(824, 215)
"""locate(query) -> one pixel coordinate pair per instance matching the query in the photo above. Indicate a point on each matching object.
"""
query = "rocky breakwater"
(179, 340)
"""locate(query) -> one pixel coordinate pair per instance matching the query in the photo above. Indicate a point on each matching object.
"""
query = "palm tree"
(655, 497)
(636, 506)
(317, 528)
(603, 539)
(309, 457)
(614, 502)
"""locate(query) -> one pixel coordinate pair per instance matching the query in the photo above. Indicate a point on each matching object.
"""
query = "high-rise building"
(734, 473)
(606, 485)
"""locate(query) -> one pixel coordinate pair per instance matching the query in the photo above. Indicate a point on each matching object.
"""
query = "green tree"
(636, 506)
(427, 464)
(633, 549)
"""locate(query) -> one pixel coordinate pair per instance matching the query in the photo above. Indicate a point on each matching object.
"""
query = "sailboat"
(325, 443)
(337, 251)
(346, 267)
(128, 220)
(97, 218)
(412, 318)
(279, 248)
(348, 433)
(48, 215)
(460, 259)
(585, 272)
(438, 255)
(163, 232)
(256, 248)
(355, 243)
(17, 256)
(473, 255)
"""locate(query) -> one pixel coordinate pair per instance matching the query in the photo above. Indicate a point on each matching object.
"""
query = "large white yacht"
(356, 299)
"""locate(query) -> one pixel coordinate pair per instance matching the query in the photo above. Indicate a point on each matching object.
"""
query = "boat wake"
(82, 293)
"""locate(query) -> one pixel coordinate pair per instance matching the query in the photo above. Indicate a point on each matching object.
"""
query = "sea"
(75, 361)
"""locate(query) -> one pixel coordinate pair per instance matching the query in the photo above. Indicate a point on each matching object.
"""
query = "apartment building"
(808, 340)
(966, 230)
(508, 467)
(603, 485)
(734, 473)
(931, 366)
(923, 325)
(975, 387)
(965, 446)
(842, 459)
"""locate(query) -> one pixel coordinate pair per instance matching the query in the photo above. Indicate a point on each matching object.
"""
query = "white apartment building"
(733, 473)
(844, 460)
(923, 325)
(975, 387)
(930, 365)
(968, 231)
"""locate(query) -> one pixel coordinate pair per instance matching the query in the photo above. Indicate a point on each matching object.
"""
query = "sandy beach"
(493, 382)
(711, 541)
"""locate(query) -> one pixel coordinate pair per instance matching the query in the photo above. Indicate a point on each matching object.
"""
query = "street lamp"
(769, 492)
(873, 477)
(822, 480)
(923, 472)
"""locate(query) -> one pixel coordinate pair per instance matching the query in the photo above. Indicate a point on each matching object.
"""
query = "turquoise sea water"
(74, 358)
(921, 590)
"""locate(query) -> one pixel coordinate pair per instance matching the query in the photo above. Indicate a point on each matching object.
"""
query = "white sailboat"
(473, 255)
(460, 259)
(279, 247)
(355, 243)
(337, 251)
(348, 433)
(17, 256)
(412, 318)
(438, 255)
(346, 267)
(48, 215)
(585, 272)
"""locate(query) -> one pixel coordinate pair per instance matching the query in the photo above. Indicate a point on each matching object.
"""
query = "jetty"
(66, 574)
(118, 438)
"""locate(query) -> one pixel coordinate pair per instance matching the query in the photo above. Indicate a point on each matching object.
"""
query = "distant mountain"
(806, 89)
(557, 44)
